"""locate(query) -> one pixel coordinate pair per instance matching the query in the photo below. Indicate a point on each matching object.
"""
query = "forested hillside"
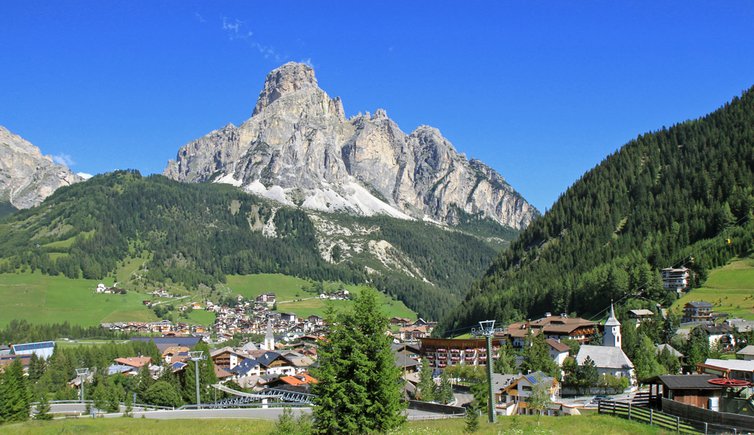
(670, 197)
(195, 234)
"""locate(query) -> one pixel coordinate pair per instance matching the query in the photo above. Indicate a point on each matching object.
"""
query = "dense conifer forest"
(678, 196)
(196, 234)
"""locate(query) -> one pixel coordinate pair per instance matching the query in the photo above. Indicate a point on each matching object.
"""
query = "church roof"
(612, 321)
(604, 357)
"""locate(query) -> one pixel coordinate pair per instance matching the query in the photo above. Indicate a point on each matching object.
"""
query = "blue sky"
(540, 90)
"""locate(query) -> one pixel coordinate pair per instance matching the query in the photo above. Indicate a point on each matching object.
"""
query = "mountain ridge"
(27, 176)
(299, 148)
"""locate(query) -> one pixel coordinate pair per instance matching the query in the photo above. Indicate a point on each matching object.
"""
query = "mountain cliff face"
(299, 149)
(26, 176)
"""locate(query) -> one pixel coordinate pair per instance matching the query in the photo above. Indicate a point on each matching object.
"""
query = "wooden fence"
(645, 415)
(712, 421)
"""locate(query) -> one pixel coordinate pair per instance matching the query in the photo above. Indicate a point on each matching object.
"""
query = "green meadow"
(729, 288)
(583, 425)
(40, 298)
(292, 297)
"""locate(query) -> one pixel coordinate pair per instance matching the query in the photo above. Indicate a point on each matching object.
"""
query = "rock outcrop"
(26, 176)
(299, 149)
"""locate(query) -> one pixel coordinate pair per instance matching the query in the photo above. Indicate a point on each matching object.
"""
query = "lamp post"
(487, 328)
(196, 356)
(82, 374)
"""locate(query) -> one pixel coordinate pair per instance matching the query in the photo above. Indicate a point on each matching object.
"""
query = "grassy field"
(292, 298)
(729, 288)
(42, 298)
(55, 299)
(584, 425)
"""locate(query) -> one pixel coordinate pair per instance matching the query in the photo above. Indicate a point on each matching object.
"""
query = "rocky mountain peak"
(299, 149)
(286, 79)
(26, 176)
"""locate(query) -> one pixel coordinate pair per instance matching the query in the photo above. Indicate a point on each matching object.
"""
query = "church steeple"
(269, 338)
(612, 335)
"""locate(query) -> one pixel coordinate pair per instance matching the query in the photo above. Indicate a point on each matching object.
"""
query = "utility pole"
(197, 356)
(82, 374)
(487, 329)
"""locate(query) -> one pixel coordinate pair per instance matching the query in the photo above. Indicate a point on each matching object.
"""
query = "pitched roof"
(604, 357)
(300, 379)
(673, 351)
(221, 373)
(686, 382)
(748, 350)
(641, 312)
(699, 304)
(174, 350)
(134, 361)
(731, 364)
(558, 346)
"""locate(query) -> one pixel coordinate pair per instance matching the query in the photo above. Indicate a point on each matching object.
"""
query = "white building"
(609, 359)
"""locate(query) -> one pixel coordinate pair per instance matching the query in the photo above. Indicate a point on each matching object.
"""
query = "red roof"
(300, 379)
(134, 361)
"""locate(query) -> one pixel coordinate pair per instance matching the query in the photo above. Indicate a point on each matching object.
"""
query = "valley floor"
(582, 425)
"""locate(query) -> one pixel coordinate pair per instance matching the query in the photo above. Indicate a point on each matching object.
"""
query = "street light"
(82, 374)
(196, 356)
(487, 328)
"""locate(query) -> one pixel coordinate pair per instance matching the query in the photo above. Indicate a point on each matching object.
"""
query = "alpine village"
(308, 271)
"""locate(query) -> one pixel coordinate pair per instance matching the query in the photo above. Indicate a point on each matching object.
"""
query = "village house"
(558, 351)
(640, 315)
(676, 279)
(413, 333)
(175, 353)
(226, 358)
(697, 311)
(692, 390)
(514, 395)
(556, 327)
(746, 354)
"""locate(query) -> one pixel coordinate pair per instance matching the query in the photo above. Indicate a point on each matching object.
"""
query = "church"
(609, 358)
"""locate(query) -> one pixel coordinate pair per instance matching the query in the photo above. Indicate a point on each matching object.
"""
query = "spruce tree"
(506, 361)
(43, 408)
(15, 399)
(426, 387)
(537, 356)
(444, 391)
(359, 388)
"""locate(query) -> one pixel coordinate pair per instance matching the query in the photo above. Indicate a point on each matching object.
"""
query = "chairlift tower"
(196, 356)
(82, 374)
(487, 329)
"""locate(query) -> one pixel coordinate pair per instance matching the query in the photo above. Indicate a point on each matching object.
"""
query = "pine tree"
(426, 387)
(471, 419)
(15, 399)
(359, 384)
(444, 391)
(537, 356)
(506, 360)
(43, 408)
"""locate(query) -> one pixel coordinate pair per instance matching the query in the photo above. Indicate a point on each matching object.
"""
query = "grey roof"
(699, 304)
(500, 381)
(748, 350)
(673, 351)
(612, 320)
(642, 312)
(607, 357)
(686, 382)
(403, 360)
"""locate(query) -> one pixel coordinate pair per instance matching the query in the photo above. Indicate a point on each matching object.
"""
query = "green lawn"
(582, 425)
(289, 292)
(42, 298)
(729, 288)
(201, 317)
